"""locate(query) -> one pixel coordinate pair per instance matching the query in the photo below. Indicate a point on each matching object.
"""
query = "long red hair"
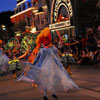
(43, 38)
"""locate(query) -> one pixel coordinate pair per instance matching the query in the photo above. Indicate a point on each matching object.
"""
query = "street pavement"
(87, 77)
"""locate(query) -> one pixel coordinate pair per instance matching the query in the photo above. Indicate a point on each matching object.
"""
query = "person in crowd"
(92, 44)
(96, 60)
(85, 57)
(84, 42)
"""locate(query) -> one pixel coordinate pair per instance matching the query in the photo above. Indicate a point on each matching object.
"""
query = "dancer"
(3, 61)
(46, 70)
(65, 52)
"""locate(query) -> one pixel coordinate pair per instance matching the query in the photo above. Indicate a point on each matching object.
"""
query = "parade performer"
(14, 66)
(65, 52)
(12, 48)
(47, 70)
(3, 60)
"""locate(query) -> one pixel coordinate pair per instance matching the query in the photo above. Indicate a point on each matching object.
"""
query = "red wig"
(43, 38)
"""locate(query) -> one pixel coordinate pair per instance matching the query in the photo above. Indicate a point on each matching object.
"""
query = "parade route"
(87, 77)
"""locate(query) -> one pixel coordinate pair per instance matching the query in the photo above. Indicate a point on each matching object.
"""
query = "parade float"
(61, 19)
(19, 47)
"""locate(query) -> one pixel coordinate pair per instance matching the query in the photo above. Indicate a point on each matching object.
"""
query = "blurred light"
(35, 11)
(21, 2)
(33, 30)
(99, 28)
(3, 27)
(32, 8)
(44, 7)
(40, 11)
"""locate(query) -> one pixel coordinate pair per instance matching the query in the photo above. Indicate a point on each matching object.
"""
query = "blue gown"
(3, 62)
(48, 72)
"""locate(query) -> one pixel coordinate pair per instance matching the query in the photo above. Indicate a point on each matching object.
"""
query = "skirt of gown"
(48, 72)
(3, 61)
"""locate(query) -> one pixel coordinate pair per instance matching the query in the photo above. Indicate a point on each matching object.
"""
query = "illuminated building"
(29, 11)
(55, 14)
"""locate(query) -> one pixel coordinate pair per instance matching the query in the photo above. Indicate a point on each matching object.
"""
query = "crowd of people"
(87, 49)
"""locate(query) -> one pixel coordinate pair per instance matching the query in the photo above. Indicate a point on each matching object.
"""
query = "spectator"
(84, 42)
(92, 44)
(84, 58)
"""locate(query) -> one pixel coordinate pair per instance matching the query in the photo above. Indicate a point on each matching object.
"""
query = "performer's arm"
(22, 56)
(69, 44)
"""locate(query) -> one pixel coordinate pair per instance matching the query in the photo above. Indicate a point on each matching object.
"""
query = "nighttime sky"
(6, 5)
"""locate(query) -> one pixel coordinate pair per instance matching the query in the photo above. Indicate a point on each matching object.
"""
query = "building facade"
(55, 14)
(32, 12)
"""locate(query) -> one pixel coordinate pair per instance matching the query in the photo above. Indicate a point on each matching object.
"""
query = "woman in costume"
(65, 52)
(3, 60)
(47, 70)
